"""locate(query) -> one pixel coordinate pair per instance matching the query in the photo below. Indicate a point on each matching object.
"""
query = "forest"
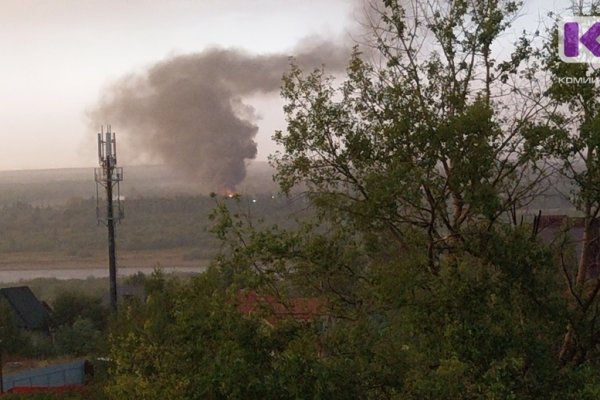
(150, 223)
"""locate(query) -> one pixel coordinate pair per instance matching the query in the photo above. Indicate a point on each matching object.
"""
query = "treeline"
(57, 186)
(150, 223)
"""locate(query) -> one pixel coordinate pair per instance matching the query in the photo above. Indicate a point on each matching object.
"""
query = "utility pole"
(1, 368)
(109, 176)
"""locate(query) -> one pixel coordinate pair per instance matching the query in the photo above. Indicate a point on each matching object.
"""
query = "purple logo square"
(578, 40)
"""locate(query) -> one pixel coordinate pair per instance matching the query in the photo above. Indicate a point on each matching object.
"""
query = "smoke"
(189, 111)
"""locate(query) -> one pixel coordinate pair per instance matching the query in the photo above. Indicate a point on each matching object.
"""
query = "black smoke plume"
(188, 111)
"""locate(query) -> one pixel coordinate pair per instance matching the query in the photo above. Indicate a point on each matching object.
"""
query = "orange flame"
(228, 193)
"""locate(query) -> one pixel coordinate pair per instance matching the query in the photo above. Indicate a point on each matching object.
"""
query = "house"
(28, 312)
(300, 309)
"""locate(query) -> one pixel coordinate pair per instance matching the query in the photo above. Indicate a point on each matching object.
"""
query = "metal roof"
(72, 373)
(29, 312)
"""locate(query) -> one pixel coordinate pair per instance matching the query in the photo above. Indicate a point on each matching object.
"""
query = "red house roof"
(303, 309)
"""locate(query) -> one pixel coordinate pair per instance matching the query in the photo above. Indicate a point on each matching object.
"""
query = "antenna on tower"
(109, 176)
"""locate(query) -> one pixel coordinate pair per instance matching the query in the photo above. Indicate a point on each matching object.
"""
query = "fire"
(229, 193)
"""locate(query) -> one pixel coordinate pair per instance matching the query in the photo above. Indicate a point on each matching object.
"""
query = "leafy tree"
(419, 142)
(413, 167)
(79, 339)
(71, 306)
(480, 326)
(575, 149)
(153, 345)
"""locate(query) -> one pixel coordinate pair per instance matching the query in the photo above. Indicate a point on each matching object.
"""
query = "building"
(28, 312)
(300, 309)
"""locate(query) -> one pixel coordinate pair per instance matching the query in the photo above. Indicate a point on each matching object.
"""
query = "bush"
(81, 338)
(70, 306)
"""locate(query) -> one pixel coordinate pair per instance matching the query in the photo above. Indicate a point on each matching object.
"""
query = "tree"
(79, 339)
(577, 154)
(191, 342)
(424, 142)
(413, 168)
(70, 306)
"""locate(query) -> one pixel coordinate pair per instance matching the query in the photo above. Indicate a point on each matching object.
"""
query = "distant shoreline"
(42, 261)
(13, 276)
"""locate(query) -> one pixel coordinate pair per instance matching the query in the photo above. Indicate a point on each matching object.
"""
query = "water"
(8, 276)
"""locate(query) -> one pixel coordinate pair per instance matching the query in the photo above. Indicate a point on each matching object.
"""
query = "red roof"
(299, 308)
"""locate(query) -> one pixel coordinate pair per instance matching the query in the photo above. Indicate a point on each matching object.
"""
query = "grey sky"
(59, 55)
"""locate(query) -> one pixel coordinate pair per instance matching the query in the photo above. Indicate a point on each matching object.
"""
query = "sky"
(59, 56)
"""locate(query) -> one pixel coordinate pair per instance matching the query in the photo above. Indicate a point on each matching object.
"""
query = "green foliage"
(79, 339)
(78, 320)
(151, 223)
(191, 342)
(150, 340)
(576, 152)
(69, 307)
(388, 150)
(484, 327)
(427, 289)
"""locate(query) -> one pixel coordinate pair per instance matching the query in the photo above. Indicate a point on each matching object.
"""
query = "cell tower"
(109, 176)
